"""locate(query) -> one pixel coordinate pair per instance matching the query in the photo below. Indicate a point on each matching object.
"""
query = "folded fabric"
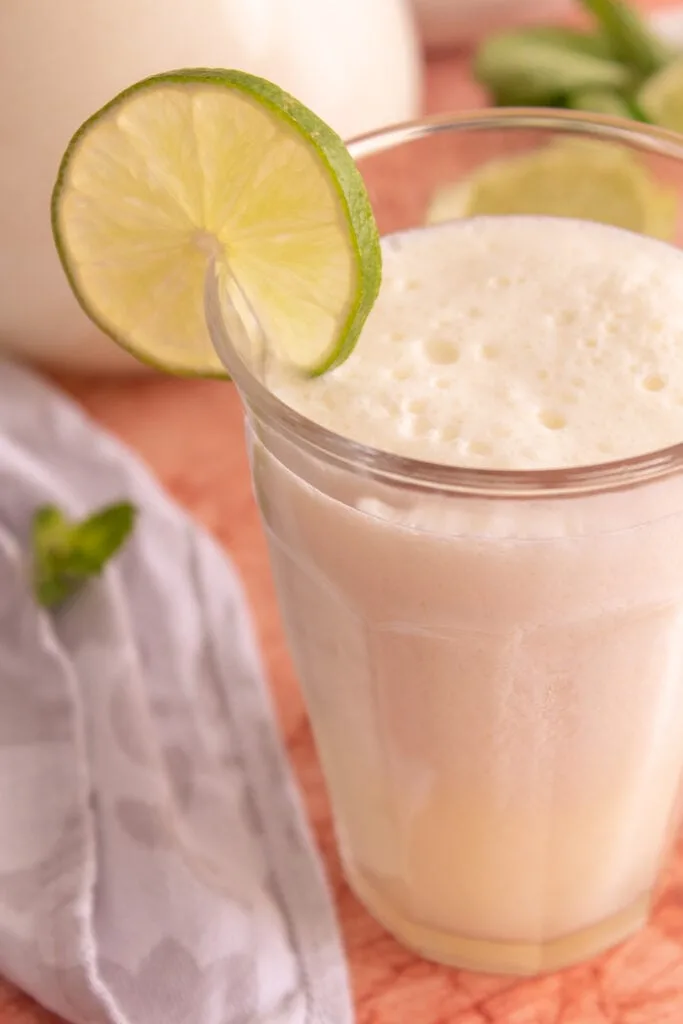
(155, 866)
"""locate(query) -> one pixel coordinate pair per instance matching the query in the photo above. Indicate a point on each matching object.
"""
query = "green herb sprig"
(602, 69)
(66, 554)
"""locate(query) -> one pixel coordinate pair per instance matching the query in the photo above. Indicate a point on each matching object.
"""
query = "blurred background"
(360, 64)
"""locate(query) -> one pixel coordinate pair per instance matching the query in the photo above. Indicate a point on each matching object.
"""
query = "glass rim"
(417, 474)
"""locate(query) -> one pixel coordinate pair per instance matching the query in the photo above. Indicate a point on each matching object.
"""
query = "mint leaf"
(629, 35)
(66, 554)
(592, 43)
(601, 101)
(520, 69)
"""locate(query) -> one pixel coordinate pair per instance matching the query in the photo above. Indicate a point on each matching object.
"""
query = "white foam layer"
(513, 342)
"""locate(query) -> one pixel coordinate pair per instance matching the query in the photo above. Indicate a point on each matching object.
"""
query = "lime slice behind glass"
(567, 178)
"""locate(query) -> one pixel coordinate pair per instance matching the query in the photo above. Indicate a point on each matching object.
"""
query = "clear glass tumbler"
(492, 661)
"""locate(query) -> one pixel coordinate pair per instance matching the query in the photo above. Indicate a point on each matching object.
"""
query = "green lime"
(567, 178)
(199, 165)
(661, 98)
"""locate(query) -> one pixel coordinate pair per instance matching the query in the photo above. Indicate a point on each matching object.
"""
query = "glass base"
(491, 957)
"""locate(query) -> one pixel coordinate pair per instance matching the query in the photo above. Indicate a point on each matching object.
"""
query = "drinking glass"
(492, 660)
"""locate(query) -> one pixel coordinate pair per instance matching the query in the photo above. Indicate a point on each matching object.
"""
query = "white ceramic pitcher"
(354, 62)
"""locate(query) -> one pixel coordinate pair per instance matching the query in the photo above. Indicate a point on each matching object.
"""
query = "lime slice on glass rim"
(571, 177)
(203, 167)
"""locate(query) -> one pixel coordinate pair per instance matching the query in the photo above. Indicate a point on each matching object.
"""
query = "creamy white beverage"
(495, 682)
(513, 343)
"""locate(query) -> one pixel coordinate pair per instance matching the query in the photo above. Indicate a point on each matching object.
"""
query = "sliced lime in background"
(199, 165)
(567, 178)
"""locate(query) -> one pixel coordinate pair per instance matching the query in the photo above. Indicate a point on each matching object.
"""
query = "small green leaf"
(601, 101)
(521, 70)
(595, 44)
(66, 554)
(629, 35)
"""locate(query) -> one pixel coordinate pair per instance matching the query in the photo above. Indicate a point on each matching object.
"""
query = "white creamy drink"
(495, 682)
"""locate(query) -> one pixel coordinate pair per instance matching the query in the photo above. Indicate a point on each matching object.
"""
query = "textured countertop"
(190, 433)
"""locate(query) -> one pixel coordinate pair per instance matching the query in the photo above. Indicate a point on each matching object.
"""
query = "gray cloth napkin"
(155, 867)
